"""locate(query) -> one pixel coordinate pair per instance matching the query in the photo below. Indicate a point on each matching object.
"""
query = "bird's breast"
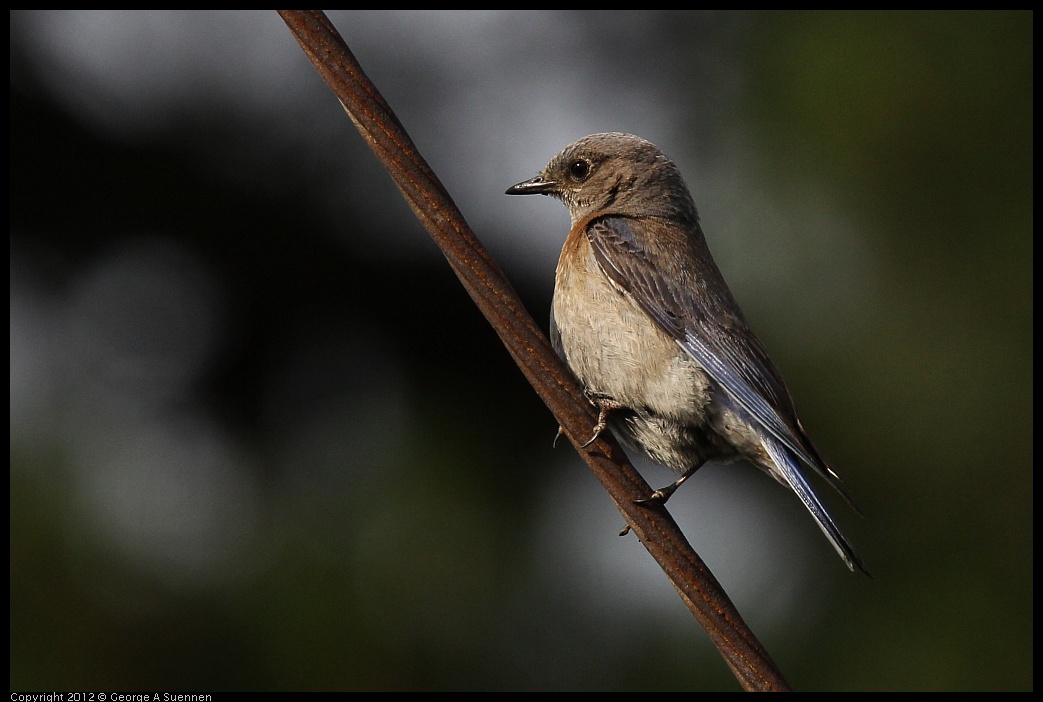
(615, 349)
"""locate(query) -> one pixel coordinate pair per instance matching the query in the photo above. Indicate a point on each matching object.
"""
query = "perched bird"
(643, 318)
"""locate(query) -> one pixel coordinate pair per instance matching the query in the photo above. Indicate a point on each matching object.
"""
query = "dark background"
(262, 439)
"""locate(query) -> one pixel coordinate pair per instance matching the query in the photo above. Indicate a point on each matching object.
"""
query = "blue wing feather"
(714, 333)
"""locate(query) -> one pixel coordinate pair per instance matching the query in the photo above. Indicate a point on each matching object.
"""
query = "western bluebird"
(643, 317)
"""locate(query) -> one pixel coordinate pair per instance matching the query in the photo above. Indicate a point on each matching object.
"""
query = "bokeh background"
(262, 439)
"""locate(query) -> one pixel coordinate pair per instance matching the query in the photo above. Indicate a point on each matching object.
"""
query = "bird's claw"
(561, 433)
(659, 497)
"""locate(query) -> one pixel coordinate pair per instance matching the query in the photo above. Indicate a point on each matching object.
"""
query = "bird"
(644, 319)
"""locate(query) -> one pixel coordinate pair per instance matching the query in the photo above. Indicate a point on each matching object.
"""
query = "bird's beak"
(534, 186)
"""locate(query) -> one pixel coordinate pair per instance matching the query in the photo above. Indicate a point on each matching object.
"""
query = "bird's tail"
(790, 470)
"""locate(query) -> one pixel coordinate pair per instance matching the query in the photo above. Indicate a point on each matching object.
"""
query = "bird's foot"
(660, 496)
(606, 406)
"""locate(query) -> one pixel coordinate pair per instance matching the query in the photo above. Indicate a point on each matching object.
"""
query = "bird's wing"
(697, 310)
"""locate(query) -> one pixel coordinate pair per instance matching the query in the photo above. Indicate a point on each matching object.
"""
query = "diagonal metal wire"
(527, 344)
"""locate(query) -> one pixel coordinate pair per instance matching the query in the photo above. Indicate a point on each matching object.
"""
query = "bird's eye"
(579, 169)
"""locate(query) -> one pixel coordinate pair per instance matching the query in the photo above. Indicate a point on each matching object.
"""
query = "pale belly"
(617, 351)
